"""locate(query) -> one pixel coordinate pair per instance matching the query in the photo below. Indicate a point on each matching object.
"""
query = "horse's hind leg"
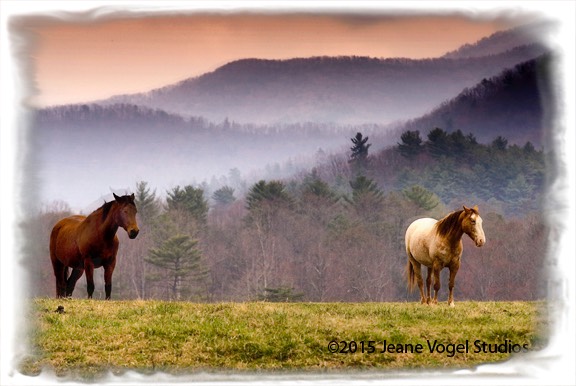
(60, 272)
(416, 266)
(71, 282)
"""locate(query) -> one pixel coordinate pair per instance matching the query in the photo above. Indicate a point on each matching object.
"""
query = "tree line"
(333, 233)
(145, 119)
(454, 165)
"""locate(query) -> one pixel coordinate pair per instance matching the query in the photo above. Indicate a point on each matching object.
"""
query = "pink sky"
(79, 59)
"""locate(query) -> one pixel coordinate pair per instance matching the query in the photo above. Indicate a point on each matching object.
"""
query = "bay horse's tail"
(410, 276)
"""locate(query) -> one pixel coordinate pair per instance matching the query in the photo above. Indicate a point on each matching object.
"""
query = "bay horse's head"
(126, 215)
(472, 225)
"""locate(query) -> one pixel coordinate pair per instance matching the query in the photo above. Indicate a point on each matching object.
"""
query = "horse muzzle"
(480, 242)
(132, 233)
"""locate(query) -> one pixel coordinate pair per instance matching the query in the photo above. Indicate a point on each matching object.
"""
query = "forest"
(514, 99)
(331, 233)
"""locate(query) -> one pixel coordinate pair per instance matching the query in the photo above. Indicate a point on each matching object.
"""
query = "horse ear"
(467, 210)
(116, 197)
(476, 209)
(132, 196)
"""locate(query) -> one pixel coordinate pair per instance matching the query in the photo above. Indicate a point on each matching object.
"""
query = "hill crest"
(339, 90)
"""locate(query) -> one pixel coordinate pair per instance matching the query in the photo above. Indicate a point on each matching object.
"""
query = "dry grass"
(95, 336)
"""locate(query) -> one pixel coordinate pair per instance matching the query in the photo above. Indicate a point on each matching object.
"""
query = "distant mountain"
(88, 148)
(510, 105)
(341, 90)
(252, 113)
(502, 41)
(88, 131)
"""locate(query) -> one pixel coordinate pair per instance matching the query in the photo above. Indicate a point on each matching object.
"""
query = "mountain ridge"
(340, 90)
(510, 104)
(501, 41)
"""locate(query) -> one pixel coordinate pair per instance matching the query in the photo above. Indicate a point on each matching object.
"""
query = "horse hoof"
(451, 304)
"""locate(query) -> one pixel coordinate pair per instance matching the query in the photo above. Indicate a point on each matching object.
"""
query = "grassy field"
(91, 337)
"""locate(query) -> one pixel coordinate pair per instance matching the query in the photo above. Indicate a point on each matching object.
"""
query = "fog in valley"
(96, 150)
(258, 119)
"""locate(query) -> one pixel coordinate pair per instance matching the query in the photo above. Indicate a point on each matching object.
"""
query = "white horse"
(438, 244)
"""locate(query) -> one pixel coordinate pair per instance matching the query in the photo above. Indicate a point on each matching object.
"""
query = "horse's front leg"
(108, 269)
(89, 268)
(436, 274)
(428, 285)
(453, 271)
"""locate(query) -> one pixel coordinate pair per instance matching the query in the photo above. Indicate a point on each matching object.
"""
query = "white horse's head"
(472, 225)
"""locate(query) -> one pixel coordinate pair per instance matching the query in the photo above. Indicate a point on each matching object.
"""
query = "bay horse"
(438, 244)
(83, 243)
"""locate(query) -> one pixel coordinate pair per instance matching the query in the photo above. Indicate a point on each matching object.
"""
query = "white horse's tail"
(410, 276)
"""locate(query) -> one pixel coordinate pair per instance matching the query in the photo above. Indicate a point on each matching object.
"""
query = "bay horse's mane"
(449, 225)
(105, 209)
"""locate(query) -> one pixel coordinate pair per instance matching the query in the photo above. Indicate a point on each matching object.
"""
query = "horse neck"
(455, 236)
(455, 232)
(108, 225)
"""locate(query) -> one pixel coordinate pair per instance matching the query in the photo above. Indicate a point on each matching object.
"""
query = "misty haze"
(270, 117)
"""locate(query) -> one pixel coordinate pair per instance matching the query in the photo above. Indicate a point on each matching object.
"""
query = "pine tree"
(422, 197)
(180, 258)
(314, 186)
(367, 198)
(500, 143)
(280, 294)
(411, 145)
(224, 196)
(148, 208)
(438, 143)
(359, 156)
(273, 192)
(190, 200)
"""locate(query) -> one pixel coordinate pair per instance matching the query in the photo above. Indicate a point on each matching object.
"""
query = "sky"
(81, 58)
